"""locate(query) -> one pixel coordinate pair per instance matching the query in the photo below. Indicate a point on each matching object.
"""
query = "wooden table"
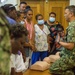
(31, 72)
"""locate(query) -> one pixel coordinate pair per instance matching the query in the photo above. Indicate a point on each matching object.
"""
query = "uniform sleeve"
(71, 34)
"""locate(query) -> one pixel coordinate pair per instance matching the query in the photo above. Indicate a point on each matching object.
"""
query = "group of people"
(29, 42)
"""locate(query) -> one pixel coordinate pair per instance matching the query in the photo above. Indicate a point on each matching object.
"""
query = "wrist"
(59, 42)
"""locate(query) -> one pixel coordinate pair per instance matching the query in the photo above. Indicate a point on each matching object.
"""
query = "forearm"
(12, 71)
(69, 46)
(48, 39)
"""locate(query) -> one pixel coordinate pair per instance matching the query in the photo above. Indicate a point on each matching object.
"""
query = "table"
(32, 72)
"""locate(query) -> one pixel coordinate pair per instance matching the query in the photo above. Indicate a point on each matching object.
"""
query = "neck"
(72, 19)
(41, 26)
(29, 21)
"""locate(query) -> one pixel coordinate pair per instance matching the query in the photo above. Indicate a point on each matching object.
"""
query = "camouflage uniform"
(64, 65)
(4, 45)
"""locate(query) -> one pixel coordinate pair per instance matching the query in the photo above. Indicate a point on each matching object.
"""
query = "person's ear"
(72, 14)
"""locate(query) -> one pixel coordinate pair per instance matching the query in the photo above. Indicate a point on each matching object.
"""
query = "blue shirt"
(10, 20)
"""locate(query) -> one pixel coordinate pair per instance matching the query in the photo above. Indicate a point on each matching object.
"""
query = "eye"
(30, 14)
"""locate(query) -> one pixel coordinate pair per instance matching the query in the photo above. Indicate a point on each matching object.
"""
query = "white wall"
(14, 2)
(72, 2)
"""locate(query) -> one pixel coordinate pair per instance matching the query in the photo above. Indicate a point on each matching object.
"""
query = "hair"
(26, 10)
(36, 17)
(8, 7)
(28, 7)
(19, 13)
(23, 3)
(18, 30)
(52, 13)
(71, 8)
(60, 28)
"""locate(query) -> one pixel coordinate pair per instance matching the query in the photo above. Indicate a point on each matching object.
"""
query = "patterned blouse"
(41, 38)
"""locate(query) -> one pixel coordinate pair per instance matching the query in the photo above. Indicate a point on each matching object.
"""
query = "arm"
(12, 71)
(67, 45)
(48, 38)
(32, 41)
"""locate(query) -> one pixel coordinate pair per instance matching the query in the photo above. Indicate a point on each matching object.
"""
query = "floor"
(31, 72)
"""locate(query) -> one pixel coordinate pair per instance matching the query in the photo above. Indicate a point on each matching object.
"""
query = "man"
(22, 6)
(4, 45)
(65, 64)
(10, 10)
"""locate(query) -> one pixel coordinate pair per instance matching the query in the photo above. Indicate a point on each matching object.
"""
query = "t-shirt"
(11, 21)
(41, 38)
(17, 62)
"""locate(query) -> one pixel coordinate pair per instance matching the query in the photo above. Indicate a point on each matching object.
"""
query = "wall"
(72, 2)
(14, 2)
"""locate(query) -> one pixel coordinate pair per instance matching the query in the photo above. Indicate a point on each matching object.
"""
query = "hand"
(33, 48)
(58, 53)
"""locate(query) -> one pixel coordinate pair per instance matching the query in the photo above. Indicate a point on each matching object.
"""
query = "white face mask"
(40, 22)
(22, 22)
(52, 19)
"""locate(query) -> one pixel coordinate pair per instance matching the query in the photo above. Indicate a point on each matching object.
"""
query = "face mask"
(52, 19)
(22, 22)
(40, 22)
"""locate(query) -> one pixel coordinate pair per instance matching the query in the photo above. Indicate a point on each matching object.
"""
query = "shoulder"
(35, 25)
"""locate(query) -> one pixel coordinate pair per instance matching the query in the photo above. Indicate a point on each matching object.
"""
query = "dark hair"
(23, 3)
(28, 7)
(8, 7)
(19, 13)
(36, 17)
(18, 30)
(52, 13)
(60, 28)
(71, 8)
(26, 10)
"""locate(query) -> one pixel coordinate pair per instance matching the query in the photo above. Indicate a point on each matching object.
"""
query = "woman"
(41, 40)
(30, 38)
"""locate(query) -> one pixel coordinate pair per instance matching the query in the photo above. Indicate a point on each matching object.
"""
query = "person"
(22, 6)
(27, 7)
(52, 58)
(18, 33)
(11, 14)
(20, 17)
(66, 63)
(60, 33)
(41, 40)
(5, 45)
(53, 28)
(30, 38)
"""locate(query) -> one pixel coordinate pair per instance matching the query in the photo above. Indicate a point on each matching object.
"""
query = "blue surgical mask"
(40, 22)
(52, 19)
